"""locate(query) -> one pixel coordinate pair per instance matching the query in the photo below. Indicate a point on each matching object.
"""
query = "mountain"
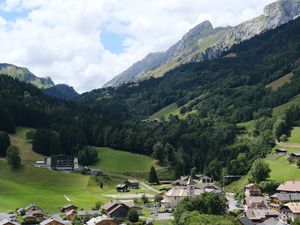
(62, 91)
(23, 74)
(205, 42)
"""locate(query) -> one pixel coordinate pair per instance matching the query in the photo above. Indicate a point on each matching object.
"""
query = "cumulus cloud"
(62, 38)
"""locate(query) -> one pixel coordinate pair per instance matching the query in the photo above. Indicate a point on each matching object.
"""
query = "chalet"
(257, 202)
(67, 208)
(29, 219)
(244, 221)
(122, 188)
(119, 209)
(198, 179)
(70, 215)
(289, 187)
(176, 194)
(290, 211)
(55, 221)
(31, 208)
(261, 215)
(4, 216)
(279, 199)
(8, 222)
(132, 184)
(294, 156)
(252, 190)
(271, 221)
(281, 151)
(102, 220)
(62, 163)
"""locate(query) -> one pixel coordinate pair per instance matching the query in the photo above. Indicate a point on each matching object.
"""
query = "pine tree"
(13, 156)
(152, 178)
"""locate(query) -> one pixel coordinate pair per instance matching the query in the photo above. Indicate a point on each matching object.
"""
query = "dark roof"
(271, 221)
(287, 196)
(295, 154)
(245, 221)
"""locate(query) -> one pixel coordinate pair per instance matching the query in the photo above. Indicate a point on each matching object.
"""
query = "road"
(232, 203)
(129, 196)
(148, 187)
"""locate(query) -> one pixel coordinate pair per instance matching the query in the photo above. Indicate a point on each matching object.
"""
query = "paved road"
(296, 145)
(129, 196)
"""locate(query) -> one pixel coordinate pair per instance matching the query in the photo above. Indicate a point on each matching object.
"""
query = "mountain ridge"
(210, 45)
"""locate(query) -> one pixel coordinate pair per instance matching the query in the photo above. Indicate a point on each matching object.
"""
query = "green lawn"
(47, 188)
(295, 135)
(249, 125)
(164, 112)
(123, 162)
(280, 109)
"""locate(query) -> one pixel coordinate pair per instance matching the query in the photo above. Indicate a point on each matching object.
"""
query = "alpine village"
(205, 133)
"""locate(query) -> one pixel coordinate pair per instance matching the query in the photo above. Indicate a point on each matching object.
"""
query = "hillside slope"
(23, 74)
(62, 91)
(205, 42)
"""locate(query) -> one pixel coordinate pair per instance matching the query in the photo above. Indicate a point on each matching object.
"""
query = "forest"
(220, 92)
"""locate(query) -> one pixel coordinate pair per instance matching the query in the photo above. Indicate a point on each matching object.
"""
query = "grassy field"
(164, 112)
(280, 109)
(123, 162)
(47, 188)
(295, 135)
(275, 85)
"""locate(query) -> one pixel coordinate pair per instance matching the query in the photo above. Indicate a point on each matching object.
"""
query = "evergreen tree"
(133, 216)
(4, 143)
(152, 178)
(13, 156)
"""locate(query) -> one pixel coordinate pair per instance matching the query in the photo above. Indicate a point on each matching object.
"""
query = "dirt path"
(129, 196)
(295, 145)
(148, 187)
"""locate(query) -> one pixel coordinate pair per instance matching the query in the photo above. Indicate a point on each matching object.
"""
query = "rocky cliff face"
(204, 42)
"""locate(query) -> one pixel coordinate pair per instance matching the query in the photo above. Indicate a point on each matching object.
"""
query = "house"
(62, 163)
(271, 221)
(119, 209)
(102, 220)
(32, 207)
(279, 199)
(198, 179)
(67, 208)
(281, 151)
(28, 219)
(257, 215)
(176, 194)
(257, 202)
(122, 188)
(4, 216)
(55, 221)
(132, 184)
(289, 187)
(38, 214)
(8, 222)
(244, 221)
(294, 156)
(70, 215)
(290, 211)
(252, 190)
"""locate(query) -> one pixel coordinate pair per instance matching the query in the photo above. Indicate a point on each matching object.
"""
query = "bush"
(13, 156)
(30, 135)
(87, 156)
(133, 216)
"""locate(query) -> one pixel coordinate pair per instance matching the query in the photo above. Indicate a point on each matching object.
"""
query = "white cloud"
(62, 38)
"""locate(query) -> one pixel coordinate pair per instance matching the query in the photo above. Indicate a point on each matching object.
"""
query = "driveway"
(233, 204)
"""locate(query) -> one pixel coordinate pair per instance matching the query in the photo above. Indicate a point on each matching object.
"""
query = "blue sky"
(96, 39)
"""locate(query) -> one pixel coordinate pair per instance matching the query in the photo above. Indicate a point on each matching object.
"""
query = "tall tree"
(13, 156)
(4, 143)
(152, 178)
(260, 171)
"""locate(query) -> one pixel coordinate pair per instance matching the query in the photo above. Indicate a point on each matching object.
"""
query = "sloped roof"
(245, 221)
(98, 219)
(271, 221)
(256, 200)
(257, 214)
(293, 206)
(287, 196)
(51, 219)
(8, 221)
(289, 186)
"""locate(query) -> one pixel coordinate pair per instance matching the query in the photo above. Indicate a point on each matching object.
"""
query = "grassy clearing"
(280, 109)
(249, 125)
(164, 112)
(123, 162)
(295, 135)
(275, 85)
